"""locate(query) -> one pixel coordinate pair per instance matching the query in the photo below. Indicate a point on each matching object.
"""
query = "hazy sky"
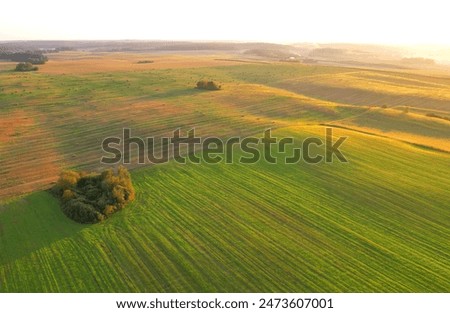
(380, 21)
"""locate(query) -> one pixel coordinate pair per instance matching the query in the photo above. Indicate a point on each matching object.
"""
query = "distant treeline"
(135, 45)
(274, 53)
(26, 57)
(418, 61)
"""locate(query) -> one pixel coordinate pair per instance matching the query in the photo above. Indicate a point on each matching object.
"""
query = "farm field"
(370, 225)
(379, 223)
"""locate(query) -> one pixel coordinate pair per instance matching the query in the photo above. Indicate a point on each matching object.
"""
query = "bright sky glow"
(283, 21)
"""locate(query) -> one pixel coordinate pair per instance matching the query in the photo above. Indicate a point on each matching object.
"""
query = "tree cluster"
(90, 197)
(25, 67)
(208, 85)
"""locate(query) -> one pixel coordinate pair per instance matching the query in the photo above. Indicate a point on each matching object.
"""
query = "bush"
(68, 179)
(109, 209)
(68, 195)
(25, 67)
(90, 198)
(208, 85)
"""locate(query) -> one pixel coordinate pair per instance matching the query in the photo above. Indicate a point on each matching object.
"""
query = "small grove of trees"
(38, 59)
(25, 67)
(208, 85)
(91, 197)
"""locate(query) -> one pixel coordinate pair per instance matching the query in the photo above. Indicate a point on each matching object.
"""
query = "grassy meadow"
(379, 223)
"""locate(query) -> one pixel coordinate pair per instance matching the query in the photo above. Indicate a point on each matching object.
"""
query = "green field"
(379, 223)
(370, 225)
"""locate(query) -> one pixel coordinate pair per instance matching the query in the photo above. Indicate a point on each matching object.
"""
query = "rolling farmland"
(380, 223)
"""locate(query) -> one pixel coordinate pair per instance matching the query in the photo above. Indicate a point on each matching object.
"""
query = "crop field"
(379, 223)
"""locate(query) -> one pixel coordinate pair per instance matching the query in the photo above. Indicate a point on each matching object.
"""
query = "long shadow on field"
(357, 96)
(401, 123)
(174, 93)
(30, 223)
